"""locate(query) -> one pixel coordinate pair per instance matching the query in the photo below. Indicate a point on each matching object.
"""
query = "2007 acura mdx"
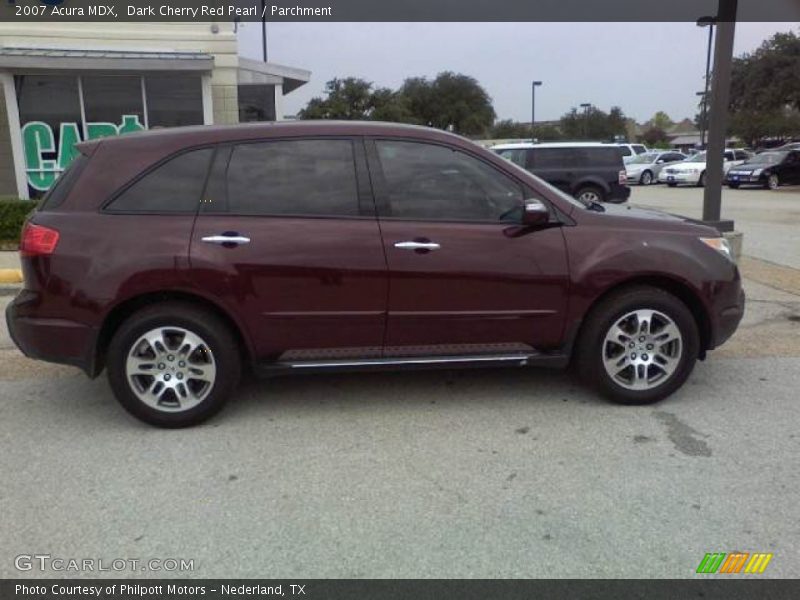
(176, 258)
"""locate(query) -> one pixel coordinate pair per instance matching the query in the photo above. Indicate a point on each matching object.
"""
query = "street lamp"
(706, 22)
(533, 107)
(586, 106)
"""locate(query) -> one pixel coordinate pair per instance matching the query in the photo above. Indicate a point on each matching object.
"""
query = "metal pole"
(533, 110)
(264, 29)
(720, 92)
(705, 95)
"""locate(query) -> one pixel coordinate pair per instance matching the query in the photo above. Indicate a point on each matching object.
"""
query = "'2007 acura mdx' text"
(177, 258)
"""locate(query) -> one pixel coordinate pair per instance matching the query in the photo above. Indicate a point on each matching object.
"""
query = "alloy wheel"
(170, 369)
(589, 196)
(642, 349)
(773, 182)
(647, 178)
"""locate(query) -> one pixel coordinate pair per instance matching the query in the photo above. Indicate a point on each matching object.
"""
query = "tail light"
(623, 177)
(38, 240)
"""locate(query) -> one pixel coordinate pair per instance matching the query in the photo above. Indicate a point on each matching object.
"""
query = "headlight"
(721, 245)
(756, 173)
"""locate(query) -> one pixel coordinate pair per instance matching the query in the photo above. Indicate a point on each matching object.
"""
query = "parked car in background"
(645, 168)
(769, 169)
(589, 171)
(692, 171)
(790, 146)
(630, 151)
(330, 246)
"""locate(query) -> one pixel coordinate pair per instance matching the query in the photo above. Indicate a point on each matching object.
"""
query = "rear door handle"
(226, 238)
(417, 245)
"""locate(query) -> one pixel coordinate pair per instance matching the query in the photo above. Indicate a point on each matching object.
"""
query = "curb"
(10, 276)
(8, 289)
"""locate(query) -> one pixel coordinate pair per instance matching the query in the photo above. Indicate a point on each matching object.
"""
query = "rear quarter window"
(600, 157)
(60, 190)
(174, 186)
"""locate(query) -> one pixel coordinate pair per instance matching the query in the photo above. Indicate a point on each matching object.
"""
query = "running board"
(415, 362)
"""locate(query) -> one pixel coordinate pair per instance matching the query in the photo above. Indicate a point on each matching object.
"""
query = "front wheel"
(646, 178)
(672, 184)
(733, 186)
(173, 364)
(701, 182)
(638, 345)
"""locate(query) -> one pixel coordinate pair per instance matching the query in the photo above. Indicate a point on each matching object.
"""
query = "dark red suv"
(177, 258)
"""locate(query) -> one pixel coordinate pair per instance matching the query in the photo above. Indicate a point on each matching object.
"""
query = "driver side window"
(435, 183)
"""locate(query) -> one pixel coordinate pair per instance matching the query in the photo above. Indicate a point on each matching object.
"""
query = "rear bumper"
(52, 340)
(618, 193)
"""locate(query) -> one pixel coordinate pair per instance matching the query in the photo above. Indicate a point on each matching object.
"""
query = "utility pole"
(533, 108)
(706, 22)
(264, 28)
(720, 93)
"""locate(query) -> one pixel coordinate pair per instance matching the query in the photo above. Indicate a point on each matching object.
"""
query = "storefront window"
(174, 100)
(50, 114)
(106, 99)
(256, 103)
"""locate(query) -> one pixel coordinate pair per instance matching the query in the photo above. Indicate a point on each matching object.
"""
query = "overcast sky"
(642, 67)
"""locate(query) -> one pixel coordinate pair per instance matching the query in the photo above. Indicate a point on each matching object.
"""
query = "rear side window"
(60, 190)
(625, 151)
(600, 157)
(293, 177)
(552, 158)
(172, 187)
(639, 149)
(516, 155)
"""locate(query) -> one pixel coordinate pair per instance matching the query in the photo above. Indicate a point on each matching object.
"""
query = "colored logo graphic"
(735, 562)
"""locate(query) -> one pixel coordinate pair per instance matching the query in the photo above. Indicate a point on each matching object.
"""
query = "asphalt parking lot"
(484, 474)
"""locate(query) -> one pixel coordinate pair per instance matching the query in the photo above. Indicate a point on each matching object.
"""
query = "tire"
(657, 378)
(773, 182)
(672, 184)
(180, 393)
(646, 178)
(592, 192)
(733, 186)
(702, 181)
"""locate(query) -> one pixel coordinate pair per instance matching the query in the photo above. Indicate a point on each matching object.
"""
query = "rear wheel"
(672, 184)
(638, 345)
(773, 182)
(590, 193)
(646, 178)
(173, 364)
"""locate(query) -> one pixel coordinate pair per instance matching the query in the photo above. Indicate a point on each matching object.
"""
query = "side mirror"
(660, 161)
(535, 212)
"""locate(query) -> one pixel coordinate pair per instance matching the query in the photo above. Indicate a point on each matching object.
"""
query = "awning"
(104, 60)
(254, 72)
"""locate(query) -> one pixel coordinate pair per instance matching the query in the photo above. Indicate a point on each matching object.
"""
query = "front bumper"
(728, 313)
(52, 340)
(743, 178)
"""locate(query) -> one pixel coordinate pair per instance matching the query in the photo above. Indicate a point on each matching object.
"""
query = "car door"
(464, 276)
(287, 239)
(791, 167)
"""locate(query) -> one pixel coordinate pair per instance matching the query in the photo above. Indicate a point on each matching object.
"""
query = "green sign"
(44, 162)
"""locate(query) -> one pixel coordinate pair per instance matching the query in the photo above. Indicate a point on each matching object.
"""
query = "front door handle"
(226, 238)
(417, 245)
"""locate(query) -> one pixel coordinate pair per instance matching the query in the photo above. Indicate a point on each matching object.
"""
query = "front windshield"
(768, 158)
(643, 159)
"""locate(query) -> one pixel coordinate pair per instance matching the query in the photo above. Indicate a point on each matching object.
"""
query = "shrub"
(13, 213)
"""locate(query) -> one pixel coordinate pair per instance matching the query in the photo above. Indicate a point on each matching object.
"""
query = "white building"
(63, 83)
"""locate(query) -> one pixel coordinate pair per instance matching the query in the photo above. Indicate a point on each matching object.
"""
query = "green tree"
(451, 101)
(508, 129)
(356, 99)
(654, 136)
(661, 120)
(593, 124)
(765, 90)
